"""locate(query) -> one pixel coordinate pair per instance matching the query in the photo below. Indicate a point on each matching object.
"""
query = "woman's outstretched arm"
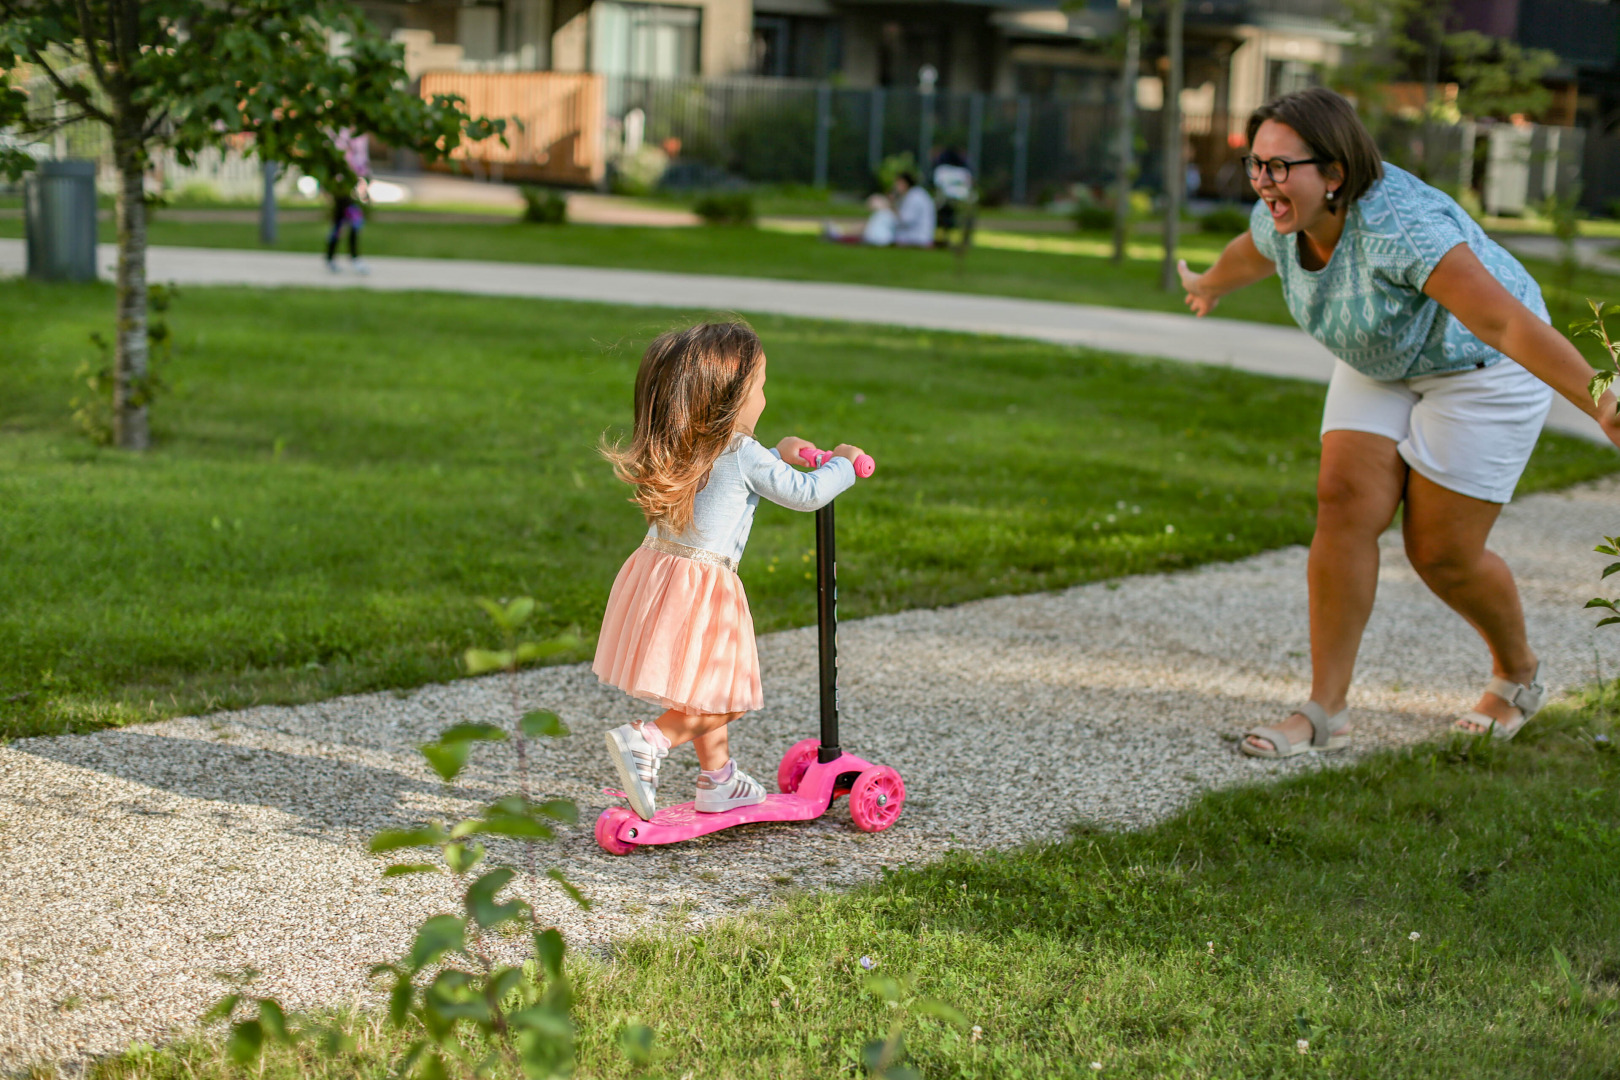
(1239, 265)
(1465, 288)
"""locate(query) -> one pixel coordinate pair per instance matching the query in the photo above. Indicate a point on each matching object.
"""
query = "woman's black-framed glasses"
(1277, 168)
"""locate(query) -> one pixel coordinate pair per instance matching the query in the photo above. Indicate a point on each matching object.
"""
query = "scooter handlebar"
(817, 458)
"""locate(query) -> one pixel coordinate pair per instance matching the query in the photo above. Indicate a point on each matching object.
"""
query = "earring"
(1332, 194)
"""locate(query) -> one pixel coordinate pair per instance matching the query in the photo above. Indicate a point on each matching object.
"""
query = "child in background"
(677, 631)
(348, 208)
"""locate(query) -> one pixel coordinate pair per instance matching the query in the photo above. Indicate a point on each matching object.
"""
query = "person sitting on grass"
(878, 230)
(912, 225)
(1446, 370)
(677, 631)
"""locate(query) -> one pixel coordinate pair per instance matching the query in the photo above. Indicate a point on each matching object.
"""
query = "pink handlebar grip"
(864, 465)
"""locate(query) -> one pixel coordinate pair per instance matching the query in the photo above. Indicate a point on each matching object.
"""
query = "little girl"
(677, 631)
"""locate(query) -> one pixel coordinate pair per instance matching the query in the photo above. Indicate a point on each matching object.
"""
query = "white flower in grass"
(1096, 1066)
(1413, 936)
(1169, 529)
(1303, 1046)
(976, 1034)
(1210, 945)
(868, 963)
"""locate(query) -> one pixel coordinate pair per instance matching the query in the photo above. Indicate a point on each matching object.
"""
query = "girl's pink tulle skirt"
(678, 633)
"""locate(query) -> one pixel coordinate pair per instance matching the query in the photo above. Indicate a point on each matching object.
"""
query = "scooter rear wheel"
(607, 830)
(794, 764)
(876, 799)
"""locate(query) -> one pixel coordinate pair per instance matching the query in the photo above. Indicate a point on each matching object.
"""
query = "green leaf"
(883, 987)
(245, 1042)
(941, 1011)
(447, 759)
(430, 1066)
(529, 651)
(1600, 382)
(545, 1020)
(518, 826)
(1611, 568)
(222, 1008)
(1611, 620)
(394, 839)
(549, 947)
(503, 980)
(437, 936)
(399, 1001)
(568, 887)
(543, 722)
(479, 661)
(519, 610)
(495, 611)
(1598, 601)
(463, 858)
(636, 1040)
(562, 810)
(472, 732)
(401, 869)
(273, 1021)
(481, 903)
(451, 997)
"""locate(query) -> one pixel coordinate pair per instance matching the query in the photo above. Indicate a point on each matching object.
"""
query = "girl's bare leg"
(705, 731)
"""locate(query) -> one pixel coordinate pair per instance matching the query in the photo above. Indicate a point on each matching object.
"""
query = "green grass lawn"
(337, 477)
(1446, 911)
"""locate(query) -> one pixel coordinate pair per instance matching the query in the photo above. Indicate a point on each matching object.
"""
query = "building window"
(796, 47)
(1287, 76)
(655, 41)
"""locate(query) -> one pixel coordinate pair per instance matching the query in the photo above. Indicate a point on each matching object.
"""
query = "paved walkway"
(1256, 347)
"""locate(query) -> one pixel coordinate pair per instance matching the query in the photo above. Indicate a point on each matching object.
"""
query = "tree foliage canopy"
(190, 74)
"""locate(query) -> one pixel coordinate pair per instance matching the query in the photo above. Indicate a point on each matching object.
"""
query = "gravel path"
(145, 866)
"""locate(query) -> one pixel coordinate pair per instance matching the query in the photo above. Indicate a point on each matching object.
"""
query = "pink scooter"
(813, 772)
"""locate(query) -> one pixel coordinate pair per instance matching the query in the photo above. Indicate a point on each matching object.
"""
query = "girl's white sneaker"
(636, 759)
(718, 797)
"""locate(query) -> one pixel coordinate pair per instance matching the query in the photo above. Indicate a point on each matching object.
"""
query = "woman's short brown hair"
(1331, 129)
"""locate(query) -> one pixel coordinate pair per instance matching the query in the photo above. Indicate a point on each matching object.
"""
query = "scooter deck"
(815, 794)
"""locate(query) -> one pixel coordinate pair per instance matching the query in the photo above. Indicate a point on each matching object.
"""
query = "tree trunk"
(1175, 165)
(1127, 125)
(130, 387)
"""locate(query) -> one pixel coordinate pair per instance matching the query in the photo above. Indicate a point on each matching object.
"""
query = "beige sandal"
(1527, 699)
(1322, 740)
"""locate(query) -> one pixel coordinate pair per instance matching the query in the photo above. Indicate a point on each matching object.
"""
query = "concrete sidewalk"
(1247, 346)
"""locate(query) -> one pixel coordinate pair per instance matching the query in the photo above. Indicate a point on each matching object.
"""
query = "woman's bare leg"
(705, 731)
(1358, 489)
(1445, 541)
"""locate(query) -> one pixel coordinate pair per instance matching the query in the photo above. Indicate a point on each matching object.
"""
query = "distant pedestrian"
(348, 199)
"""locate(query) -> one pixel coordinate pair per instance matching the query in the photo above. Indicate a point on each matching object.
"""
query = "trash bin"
(60, 214)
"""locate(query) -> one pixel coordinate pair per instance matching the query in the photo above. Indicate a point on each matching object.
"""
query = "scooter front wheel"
(794, 765)
(607, 830)
(876, 799)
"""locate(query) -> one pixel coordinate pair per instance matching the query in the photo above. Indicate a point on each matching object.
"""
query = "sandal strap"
(1322, 725)
(1281, 744)
(1527, 699)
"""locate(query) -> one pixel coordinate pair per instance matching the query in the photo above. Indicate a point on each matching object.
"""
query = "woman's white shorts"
(1469, 431)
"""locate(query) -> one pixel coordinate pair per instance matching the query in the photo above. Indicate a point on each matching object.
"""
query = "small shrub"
(544, 206)
(1226, 219)
(725, 208)
(1093, 216)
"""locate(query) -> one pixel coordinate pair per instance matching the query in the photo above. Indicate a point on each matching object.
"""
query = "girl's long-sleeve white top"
(723, 513)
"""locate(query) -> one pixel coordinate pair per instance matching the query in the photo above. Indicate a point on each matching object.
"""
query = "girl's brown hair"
(691, 385)
(1332, 131)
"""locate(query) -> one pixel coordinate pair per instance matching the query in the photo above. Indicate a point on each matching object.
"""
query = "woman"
(1446, 369)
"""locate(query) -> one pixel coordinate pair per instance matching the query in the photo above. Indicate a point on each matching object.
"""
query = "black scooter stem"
(827, 632)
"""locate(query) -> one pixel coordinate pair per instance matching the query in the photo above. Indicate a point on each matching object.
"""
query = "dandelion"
(868, 963)
(1303, 1046)
(1413, 936)
(976, 1034)
(1096, 1066)
(1111, 519)
(1210, 945)
(1169, 529)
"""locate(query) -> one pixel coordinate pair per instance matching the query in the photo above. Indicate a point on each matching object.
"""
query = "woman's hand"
(848, 452)
(1200, 298)
(789, 449)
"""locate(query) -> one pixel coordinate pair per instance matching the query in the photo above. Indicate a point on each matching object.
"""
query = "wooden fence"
(554, 123)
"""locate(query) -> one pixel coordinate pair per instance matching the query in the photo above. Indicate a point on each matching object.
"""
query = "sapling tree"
(1608, 366)
(467, 1012)
(186, 75)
